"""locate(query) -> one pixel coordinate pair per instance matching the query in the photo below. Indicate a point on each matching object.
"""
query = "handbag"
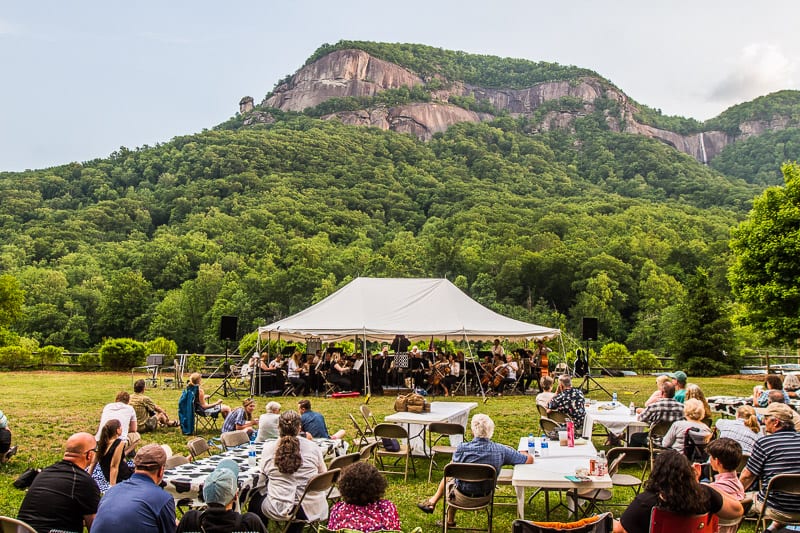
(390, 445)
(400, 403)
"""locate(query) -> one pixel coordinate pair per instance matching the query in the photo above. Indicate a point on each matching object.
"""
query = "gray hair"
(693, 409)
(482, 426)
(273, 407)
(565, 380)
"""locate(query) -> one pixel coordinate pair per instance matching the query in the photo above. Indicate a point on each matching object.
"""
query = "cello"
(500, 374)
(439, 371)
(487, 372)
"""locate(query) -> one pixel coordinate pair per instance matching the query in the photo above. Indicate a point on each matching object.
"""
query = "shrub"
(615, 355)
(703, 366)
(122, 354)
(89, 360)
(14, 357)
(51, 354)
(163, 346)
(644, 361)
(195, 363)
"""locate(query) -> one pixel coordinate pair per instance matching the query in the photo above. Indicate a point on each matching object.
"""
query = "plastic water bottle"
(531, 445)
(602, 465)
(545, 446)
(251, 455)
(633, 409)
(614, 399)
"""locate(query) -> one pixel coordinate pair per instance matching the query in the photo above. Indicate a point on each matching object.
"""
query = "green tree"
(12, 297)
(125, 305)
(765, 276)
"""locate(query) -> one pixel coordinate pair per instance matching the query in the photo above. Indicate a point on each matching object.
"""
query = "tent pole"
(367, 364)
(474, 368)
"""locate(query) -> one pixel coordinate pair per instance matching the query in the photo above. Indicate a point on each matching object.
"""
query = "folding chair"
(654, 438)
(393, 431)
(151, 367)
(471, 473)
(288, 386)
(361, 438)
(441, 431)
(367, 451)
(176, 460)
(319, 483)
(783, 483)
(12, 525)
(197, 447)
(542, 410)
(341, 462)
(369, 419)
(548, 425)
(559, 417)
(232, 439)
(630, 456)
(603, 523)
(204, 422)
(663, 521)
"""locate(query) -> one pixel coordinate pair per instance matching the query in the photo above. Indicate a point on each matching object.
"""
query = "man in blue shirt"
(480, 450)
(313, 423)
(138, 504)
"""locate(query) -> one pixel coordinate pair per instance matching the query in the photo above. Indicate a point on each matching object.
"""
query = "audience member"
(148, 415)
(138, 504)
(241, 418)
(777, 396)
(64, 496)
(676, 436)
(569, 400)
(744, 429)
(679, 382)
(664, 410)
(724, 455)
(791, 384)
(761, 393)
(673, 486)
(547, 394)
(362, 507)
(210, 409)
(695, 392)
(109, 454)
(220, 489)
(122, 411)
(289, 464)
(314, 423)
(268, 422)
(658, 393)
(777, 452)
(481, 449)
(6, 450)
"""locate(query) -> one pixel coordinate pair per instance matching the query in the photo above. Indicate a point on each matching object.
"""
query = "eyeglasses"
(93, 450)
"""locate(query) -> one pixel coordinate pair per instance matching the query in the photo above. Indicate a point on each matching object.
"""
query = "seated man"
(220, 489)
(122, 411)
(148, 415)
(481, 450)
(313, 423)
(777, 396)
(570, 401)
(139, 504)
(777, 452)
(667, 409)
(241, 418)
(63, 496)
(6, 450)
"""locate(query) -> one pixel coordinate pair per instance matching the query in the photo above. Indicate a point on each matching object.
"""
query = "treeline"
(260, 223)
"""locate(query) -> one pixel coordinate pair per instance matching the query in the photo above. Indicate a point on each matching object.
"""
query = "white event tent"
(380, 308)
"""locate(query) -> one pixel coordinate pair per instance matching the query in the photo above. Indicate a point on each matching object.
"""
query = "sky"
(81, 79)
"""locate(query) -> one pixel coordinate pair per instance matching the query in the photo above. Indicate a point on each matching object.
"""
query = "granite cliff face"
(356, 73)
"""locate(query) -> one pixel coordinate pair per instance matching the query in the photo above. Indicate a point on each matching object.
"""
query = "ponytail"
(748, 416)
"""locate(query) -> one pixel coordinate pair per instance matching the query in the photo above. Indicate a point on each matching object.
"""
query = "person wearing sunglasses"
(64, 496)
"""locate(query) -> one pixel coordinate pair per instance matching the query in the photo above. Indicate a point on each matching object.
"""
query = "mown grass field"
(44, 408)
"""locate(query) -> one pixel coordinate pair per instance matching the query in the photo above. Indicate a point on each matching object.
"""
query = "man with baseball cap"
(138, 504)
(679, 381)
(220, 489)
(777, 452)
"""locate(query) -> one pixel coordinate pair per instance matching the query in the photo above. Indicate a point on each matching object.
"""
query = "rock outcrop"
(356, 73)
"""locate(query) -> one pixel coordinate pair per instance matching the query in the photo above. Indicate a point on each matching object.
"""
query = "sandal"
(426, 507)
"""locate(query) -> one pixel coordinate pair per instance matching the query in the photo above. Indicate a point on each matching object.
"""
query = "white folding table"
(417, 423)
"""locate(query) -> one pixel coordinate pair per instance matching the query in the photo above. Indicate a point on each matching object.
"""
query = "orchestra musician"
(505, 374)
(454, 375)
(339, 373)
(295, 373)
(487, 372)
(497, 350)
(277, 363)
(440, 370)
(540, 361)
(419, 368)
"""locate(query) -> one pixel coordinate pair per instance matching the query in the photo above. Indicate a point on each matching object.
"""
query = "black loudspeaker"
(227, 328)
(589, 329)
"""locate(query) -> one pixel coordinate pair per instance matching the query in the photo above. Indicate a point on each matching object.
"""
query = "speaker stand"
(585, 385)
(226, 382)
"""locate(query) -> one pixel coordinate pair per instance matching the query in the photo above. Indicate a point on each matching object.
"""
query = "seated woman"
(694, 391)
(109, 454)
(657, 394)
(673, 486)
(362, 507)
(694, 413)
(791, 384)
(289, 463)
(761, 394)
(744, 429)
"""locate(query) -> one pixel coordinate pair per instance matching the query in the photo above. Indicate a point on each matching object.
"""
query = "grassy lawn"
(44, 408)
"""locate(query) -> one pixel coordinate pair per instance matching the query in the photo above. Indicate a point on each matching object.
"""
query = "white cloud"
(761, 68)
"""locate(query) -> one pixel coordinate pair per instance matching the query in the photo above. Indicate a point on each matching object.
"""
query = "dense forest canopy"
(261, 221)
